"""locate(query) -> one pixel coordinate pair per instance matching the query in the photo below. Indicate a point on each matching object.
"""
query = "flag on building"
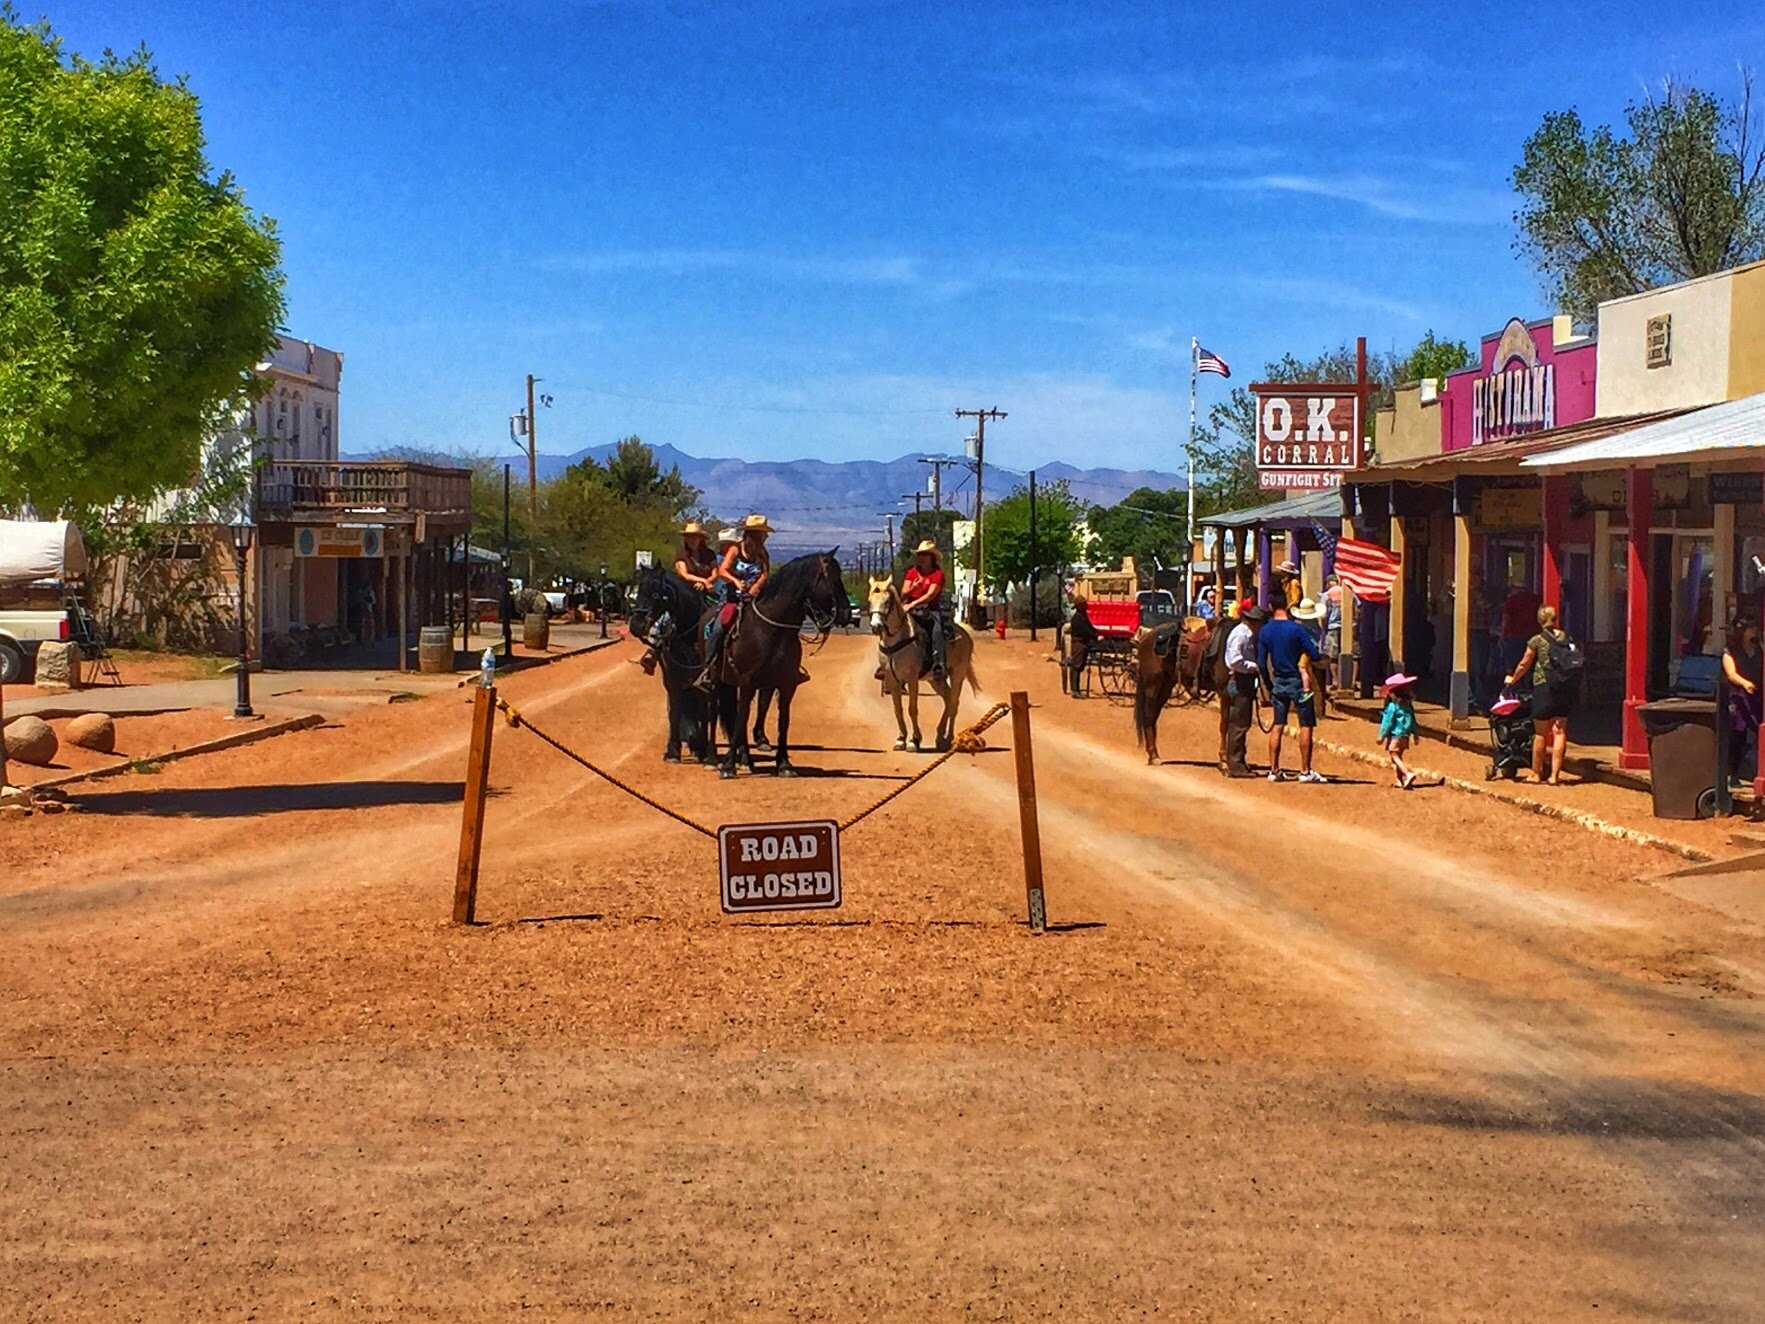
(1367, 568)
(1207, 361)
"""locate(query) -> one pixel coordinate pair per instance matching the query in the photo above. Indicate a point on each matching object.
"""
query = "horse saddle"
(1165, 639)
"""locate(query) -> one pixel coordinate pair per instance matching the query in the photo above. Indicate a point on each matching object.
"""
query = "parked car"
(1158, 605)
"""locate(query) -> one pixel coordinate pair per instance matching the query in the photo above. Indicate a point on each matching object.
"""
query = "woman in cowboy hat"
(741, 575)
(922, 593)
(1311, 615)
(695, 562)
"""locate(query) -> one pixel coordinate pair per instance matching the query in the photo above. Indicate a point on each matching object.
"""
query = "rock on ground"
(93, 731)
(31, 740)
(58, 666)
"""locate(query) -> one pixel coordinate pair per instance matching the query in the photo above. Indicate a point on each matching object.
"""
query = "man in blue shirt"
(1285, 652)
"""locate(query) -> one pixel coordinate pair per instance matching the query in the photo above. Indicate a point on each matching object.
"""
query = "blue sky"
(814, 228)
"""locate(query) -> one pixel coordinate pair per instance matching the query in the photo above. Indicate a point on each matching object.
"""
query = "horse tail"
(974, 681)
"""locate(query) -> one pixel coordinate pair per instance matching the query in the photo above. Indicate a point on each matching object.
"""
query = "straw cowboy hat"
(691, 527)
(756, 524)
(1397, 680)
(928, 546)
(728, 536)
(1307, 610)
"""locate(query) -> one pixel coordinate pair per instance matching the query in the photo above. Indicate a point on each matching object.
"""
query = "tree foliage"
(1009, 551)
(137, 290)
(936, 525)
(1432, 358)
(1682, 194)
(1149, 525)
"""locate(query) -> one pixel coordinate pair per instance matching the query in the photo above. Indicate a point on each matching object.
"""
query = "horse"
(903, 663)
(666, 613)
(1157, 674)
(764, 649)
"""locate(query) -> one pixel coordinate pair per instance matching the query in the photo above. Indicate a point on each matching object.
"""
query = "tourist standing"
(1743, 663)
(1285, 651)
(1552, 659)
(1242, 674)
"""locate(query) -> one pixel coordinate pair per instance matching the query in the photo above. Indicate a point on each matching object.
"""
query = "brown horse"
(1192, 660)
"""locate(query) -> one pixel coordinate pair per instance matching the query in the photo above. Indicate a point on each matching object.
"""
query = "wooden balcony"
(327, 492)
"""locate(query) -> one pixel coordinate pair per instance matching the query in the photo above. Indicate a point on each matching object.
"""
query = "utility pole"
(938, 464)
(980, 416)
(532, 481)
(889, 515)
(1035, 556)
(508, 603)
(918, 500)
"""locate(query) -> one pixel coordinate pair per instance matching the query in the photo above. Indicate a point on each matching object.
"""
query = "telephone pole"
(532, 481)
(980, 416)
(889, 515)
(1035, 556)
(938, 463)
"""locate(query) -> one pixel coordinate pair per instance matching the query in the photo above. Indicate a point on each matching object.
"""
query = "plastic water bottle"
(487, 669)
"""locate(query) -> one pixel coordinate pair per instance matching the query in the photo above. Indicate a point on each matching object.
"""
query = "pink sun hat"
(1507, 704)
(1397, 680)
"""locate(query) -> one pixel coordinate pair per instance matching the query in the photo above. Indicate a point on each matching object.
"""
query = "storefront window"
(1752, 566)
(1619, 595)
(1694, 583)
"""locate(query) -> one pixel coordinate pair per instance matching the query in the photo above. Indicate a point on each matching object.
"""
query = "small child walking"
(1397, 725)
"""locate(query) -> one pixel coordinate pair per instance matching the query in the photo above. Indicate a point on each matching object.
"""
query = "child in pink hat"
(1397, 725)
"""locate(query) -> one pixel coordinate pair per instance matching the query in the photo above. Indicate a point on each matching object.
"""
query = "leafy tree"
(1149, 525)
(633, 475)
(937, 525)
(137, 290)
(1009, 551)
(594, 513)
(1603, 215)
(1432, 358)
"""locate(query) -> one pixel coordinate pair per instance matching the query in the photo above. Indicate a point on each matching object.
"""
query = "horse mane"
(791, 580)
(684, 599)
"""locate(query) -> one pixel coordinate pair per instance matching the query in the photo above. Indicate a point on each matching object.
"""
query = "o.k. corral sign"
(779, 866)
(1307, 436)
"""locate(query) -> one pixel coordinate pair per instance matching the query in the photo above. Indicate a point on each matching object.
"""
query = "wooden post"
(472, 817)
(1030, 828)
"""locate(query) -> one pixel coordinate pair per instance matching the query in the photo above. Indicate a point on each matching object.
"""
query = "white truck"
(39, 559)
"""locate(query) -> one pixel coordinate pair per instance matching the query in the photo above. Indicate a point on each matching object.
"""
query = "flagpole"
(1189, 454)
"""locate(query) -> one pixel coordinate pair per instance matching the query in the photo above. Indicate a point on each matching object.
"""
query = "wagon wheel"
(1115, 677)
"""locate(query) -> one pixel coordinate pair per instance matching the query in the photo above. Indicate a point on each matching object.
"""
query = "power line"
(737, 408)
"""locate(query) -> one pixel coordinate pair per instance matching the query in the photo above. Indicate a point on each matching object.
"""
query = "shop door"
(1578, 591)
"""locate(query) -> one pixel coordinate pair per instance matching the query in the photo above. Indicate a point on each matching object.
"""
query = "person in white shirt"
(1241, 689)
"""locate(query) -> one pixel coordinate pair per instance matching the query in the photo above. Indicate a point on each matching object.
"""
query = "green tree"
(937, 525)
(594, 513)
(137, 290)
(1432, 358)
(1007, 531)
(1603, 214)
(1148, 525)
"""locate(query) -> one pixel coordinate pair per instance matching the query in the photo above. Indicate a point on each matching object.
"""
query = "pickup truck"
(22, 631)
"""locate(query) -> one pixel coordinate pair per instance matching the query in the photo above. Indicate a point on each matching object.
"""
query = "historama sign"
(779, 866)
(1307, 434)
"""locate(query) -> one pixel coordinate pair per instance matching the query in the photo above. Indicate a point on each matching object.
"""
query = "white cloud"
(1409, 198)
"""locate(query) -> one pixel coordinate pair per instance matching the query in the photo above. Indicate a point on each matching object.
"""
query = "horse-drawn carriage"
(1108, 663)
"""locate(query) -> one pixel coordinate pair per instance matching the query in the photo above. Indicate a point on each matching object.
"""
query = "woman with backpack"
(1556, 661)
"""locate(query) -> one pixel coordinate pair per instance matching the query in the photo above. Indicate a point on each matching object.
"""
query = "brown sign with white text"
(779, 866)
(1307, 436)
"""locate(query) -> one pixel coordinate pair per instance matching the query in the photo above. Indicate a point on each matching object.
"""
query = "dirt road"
(1296, 1052)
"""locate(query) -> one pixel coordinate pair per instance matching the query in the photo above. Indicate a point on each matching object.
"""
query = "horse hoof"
(900, 744)
(708, 761)
(916, 748)
(761, 742)
(784, 770)
(727, 774)
(671, 758)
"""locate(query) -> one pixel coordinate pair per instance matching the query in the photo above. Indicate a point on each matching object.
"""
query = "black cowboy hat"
(1255, 615)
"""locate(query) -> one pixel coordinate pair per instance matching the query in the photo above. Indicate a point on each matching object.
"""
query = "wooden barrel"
(536, 630)
(435, 649)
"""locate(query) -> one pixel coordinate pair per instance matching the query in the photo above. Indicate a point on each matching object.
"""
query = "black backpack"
(1564, 665)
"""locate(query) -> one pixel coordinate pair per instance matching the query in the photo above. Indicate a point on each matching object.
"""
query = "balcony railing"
(303, 487)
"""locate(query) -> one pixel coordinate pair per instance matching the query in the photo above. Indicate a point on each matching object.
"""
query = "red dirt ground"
(1292, 1052)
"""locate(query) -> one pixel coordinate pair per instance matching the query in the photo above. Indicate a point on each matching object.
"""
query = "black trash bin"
(1682, 756)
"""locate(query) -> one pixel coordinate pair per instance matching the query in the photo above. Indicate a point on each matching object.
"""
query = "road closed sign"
(779, 866)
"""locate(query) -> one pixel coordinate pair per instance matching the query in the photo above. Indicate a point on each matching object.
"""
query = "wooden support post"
(472, 817)
(1030, 828)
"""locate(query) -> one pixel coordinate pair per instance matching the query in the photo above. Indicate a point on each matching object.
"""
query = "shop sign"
(1520, 394)
(1510, 508)
(1742, 489)
(326, 540)
(1307, 436)
(779, 866)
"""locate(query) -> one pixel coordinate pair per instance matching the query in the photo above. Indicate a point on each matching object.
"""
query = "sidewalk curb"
(234, 741)
(1592, 822)
(529, 663)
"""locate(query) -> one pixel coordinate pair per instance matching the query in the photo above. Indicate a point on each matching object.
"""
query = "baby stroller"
(1510, 736)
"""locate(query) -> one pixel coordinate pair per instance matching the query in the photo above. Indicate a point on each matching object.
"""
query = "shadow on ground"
(253, 801)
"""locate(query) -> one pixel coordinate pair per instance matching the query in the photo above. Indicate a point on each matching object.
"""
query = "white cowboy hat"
(728, 536)
(1307, 610)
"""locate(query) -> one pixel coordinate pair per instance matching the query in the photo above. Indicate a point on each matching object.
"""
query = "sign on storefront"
(1307, 436)
(779, 866)
(1510, 508)
(324, 540)
(1520, 395)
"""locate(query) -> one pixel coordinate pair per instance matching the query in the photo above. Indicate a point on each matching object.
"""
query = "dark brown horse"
(764, 650)
(1171, 656)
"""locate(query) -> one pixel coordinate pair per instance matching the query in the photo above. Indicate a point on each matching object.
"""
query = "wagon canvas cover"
(40, 549)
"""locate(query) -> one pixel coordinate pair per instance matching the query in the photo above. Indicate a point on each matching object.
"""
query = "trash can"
(1682, 756)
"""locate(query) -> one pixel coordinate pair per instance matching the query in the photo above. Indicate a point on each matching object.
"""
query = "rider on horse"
(694, 561)
(741, 576)
(922, 594)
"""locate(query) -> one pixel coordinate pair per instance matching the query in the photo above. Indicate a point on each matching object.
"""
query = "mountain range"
(823, 502)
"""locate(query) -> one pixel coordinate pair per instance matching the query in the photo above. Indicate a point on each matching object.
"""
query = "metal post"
(532, 482)
(1029, 827)
(1035, 557)
(242, 692)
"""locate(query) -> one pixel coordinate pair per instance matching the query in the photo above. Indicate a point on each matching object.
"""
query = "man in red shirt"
(922, 593)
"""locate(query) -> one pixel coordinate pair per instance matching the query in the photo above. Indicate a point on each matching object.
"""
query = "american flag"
(1207, 361)
(1367, 568)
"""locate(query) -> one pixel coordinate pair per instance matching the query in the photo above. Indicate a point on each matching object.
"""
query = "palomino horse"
(903, 664)
(1192, 659)
(764, 649)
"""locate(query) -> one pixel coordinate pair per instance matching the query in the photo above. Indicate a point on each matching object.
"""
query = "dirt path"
(1298, 1052)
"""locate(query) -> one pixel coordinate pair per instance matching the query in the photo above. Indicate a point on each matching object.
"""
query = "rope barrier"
(967, 741)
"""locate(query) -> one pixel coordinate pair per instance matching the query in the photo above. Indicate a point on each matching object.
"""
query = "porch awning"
(1733, 431)
(1504, 458)
(1322, 505)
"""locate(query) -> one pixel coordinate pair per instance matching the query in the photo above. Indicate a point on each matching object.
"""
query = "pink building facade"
(1530, 377)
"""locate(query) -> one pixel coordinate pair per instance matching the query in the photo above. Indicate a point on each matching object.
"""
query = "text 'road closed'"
(779, 866)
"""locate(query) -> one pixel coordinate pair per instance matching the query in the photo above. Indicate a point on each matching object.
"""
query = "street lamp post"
(243, 533)
(603, 611)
